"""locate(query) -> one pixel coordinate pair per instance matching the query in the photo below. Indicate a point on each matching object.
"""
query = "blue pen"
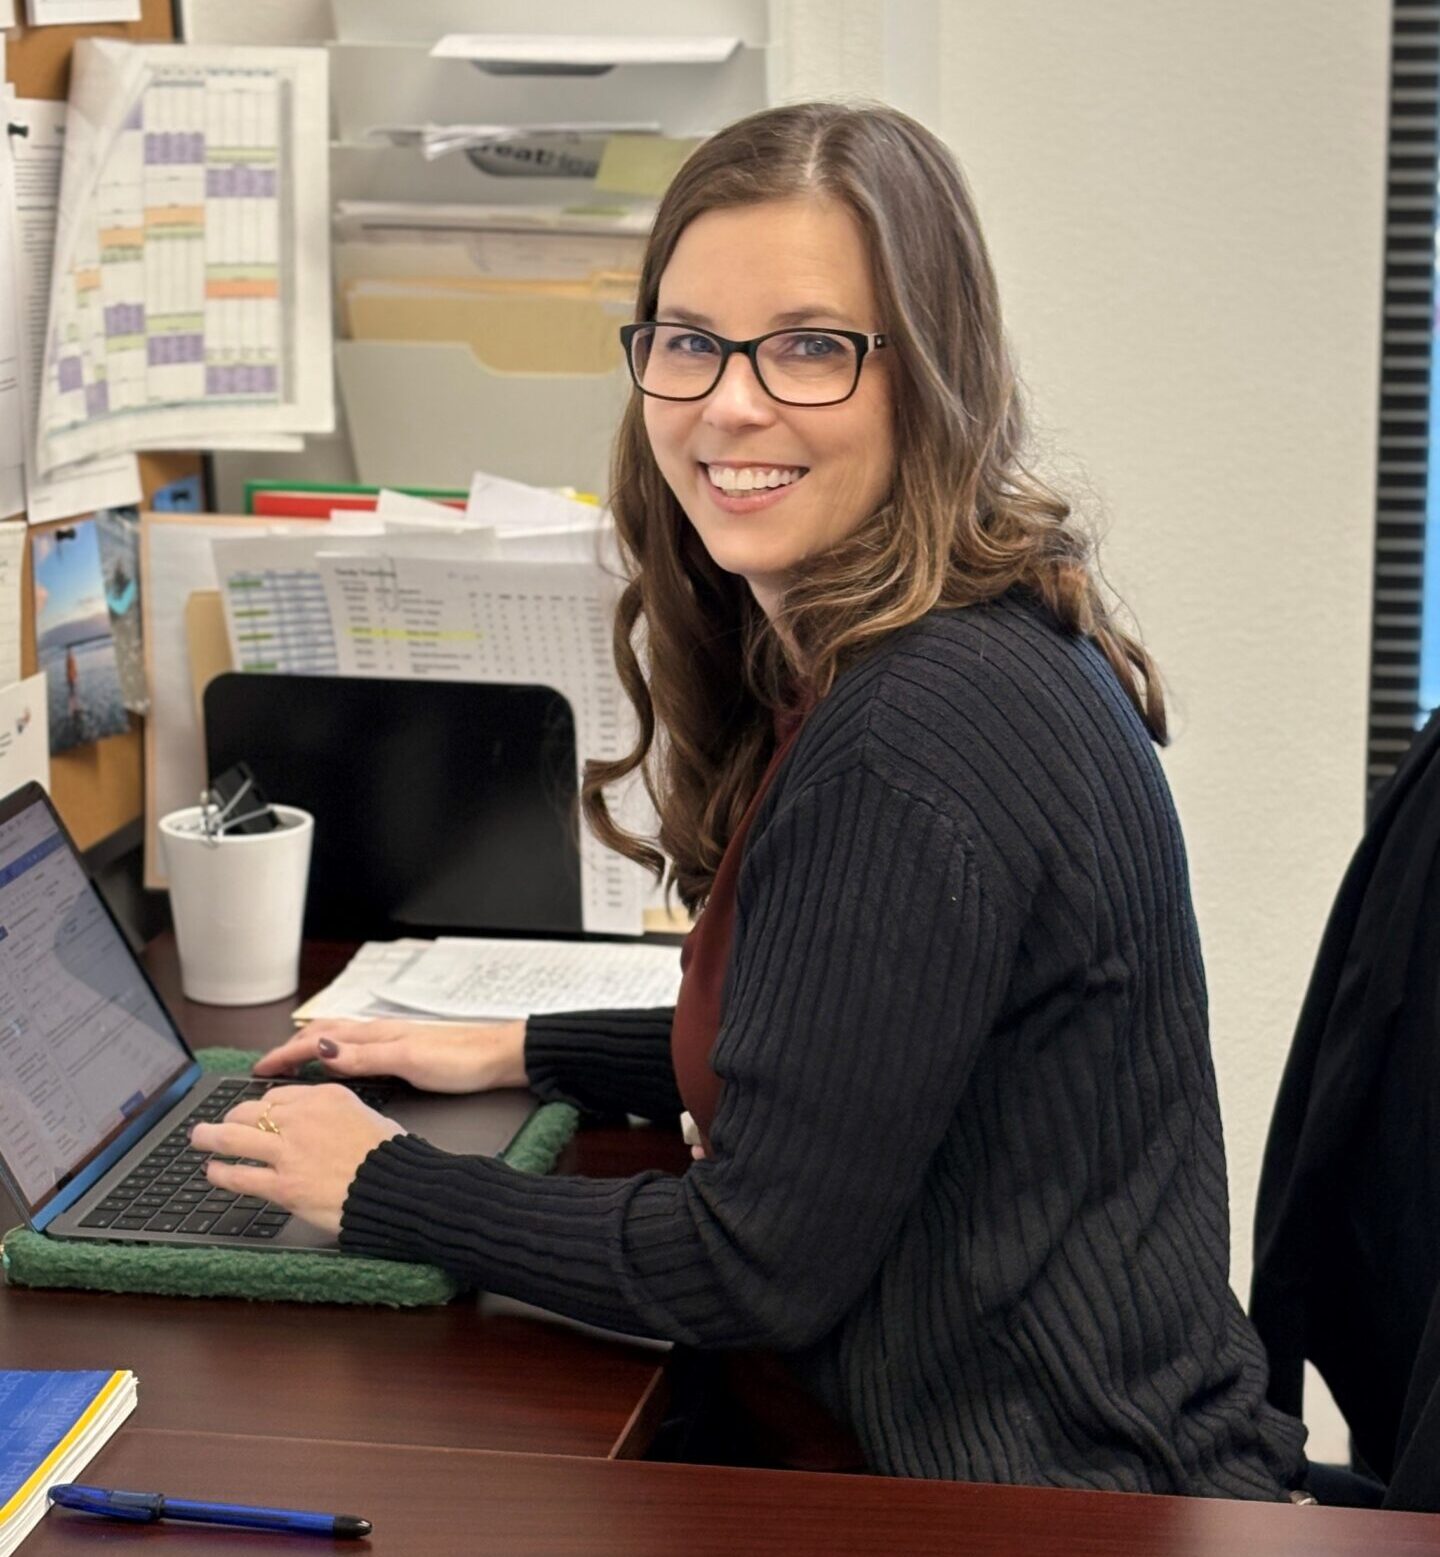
(147, 1507)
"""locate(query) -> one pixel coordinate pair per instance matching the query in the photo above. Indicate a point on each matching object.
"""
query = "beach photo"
(74, 638)
(117, 532)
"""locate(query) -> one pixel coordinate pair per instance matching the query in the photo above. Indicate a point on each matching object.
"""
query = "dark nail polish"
(328, 1048)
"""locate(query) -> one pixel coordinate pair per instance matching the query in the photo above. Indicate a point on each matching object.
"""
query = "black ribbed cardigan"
(967, 1170)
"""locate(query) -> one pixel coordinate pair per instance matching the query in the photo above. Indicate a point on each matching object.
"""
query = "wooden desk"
(469, 1380)
(459, 1503)
(399, 1416)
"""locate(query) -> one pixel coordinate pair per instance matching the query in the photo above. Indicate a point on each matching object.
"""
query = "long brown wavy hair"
(964, 521)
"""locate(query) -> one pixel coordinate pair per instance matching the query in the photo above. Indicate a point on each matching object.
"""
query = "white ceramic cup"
(238, 902)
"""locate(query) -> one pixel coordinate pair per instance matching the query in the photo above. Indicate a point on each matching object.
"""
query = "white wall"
(1184, 200)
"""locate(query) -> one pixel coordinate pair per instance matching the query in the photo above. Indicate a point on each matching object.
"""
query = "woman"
(961, 1198)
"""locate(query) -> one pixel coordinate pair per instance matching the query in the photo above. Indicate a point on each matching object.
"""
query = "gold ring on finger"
(266, 1123)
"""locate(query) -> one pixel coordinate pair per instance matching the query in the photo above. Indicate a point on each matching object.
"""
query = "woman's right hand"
(449, 1057)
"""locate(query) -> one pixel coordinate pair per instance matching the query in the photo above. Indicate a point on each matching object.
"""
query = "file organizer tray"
(431, 414)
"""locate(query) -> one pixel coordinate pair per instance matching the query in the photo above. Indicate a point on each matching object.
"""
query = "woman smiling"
(959, 1203)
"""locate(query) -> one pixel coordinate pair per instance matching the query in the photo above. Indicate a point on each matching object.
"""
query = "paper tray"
(399, 83)
(431, 414)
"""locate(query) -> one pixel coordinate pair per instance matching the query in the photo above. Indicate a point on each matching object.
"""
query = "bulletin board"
(97, 788)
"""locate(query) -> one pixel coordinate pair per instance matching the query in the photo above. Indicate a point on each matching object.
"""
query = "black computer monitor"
(440, 807)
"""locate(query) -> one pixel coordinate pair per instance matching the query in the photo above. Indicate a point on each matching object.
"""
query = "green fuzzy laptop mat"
(296, 1276)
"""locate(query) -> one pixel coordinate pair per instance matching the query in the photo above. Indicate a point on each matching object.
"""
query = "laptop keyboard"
(167, 1192)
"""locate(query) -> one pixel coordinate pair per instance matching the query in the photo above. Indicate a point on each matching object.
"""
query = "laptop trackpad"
(474, 1123)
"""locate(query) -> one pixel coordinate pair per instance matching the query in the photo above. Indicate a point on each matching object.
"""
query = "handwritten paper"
(500, 980)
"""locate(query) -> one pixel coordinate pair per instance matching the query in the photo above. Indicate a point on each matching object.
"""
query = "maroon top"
(786, 1424)
(706, 955)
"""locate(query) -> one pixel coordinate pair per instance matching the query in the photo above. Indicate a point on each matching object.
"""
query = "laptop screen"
(84, 1041)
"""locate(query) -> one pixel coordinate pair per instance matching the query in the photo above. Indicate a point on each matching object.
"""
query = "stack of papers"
(525, 289)
(51, 1425)
(519, 590)
(351, 997)
(474, 980)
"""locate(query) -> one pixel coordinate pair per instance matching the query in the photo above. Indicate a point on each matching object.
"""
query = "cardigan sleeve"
(868, 967)
(607, 1062)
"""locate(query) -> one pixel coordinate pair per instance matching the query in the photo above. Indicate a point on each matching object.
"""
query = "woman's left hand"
(315, 1141)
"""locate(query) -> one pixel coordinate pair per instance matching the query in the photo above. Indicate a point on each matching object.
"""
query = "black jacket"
(1347, 1231)
(966, 1169)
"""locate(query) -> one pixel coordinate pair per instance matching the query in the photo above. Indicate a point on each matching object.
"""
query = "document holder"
(440, 807)
(430, 414)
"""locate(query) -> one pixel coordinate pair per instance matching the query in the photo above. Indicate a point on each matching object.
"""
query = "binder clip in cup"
(238, 868)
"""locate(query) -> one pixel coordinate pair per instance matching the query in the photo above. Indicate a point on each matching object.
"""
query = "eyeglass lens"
(804, 367)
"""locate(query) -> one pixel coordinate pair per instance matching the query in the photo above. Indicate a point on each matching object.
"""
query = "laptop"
(98, 1087)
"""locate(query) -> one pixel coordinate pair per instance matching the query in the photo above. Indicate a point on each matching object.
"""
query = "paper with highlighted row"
(530, 601)
(189, 301)
(51, 1426)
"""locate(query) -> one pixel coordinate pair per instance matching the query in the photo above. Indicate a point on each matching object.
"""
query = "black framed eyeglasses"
(795, 367)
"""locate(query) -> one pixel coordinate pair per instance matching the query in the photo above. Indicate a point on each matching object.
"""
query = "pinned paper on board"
(215, 159)
(118, 530)
(73, 638)
(24, 734)
(37, 147)
(12, 555)
(12, 406)
(73, 13)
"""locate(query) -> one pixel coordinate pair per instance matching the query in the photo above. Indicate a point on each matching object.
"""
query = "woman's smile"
(737, 488)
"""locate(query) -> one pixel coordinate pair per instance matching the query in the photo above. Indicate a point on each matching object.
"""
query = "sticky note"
(641, 164)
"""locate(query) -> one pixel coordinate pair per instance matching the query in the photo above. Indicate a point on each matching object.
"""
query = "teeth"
(750, 478)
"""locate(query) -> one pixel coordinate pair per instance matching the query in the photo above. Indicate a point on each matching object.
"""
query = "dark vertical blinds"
(1409, 301)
